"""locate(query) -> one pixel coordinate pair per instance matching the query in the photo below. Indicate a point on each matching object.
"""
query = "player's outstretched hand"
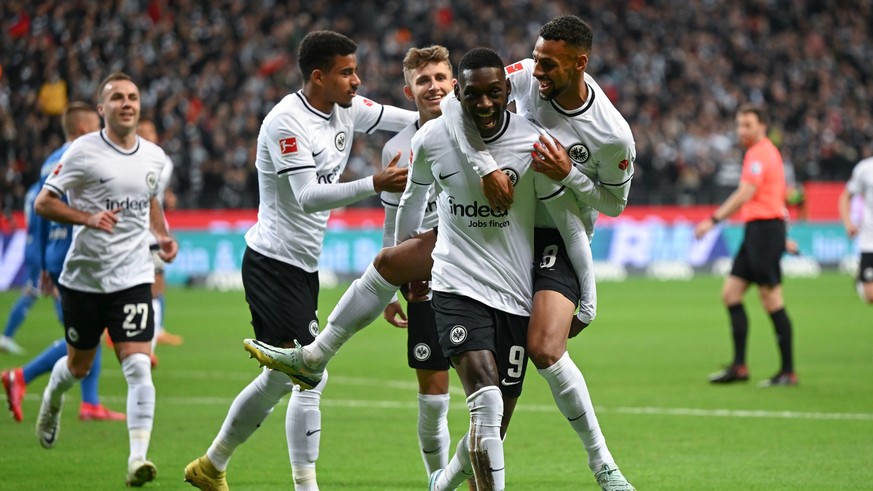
(551, 159)
(395, 316)
(391, 178)
(103, 220)
(169, 249)
(498, 190)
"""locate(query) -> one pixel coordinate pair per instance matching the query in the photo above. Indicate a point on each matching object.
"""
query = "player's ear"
(100, 110)
(317, 76)
(582, 61)
(508, 87)
(407, 91)
(456, 88)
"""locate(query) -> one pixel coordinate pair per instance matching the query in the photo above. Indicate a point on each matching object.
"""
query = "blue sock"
(89, 383)
(45, 361)
(18, 314)
(59, 311)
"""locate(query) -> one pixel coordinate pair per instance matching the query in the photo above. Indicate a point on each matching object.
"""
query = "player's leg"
(16, 318)
(303, 433)
(91, 409)
(733, 290)
(467, 335)
(359, 306)
(130, 323)
(83, 328)
(773, 302)
(425, 356)
(865, 277)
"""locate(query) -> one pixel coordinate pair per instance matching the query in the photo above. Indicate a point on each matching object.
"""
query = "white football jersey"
(163, 184)
(296, 138)
(861, 184)
(596, 136)
(481, 253)
(402, 142)
(97, 175)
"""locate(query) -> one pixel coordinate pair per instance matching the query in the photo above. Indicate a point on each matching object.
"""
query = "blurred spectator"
(677, 70)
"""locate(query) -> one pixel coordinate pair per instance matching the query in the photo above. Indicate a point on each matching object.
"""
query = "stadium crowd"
(209, 71)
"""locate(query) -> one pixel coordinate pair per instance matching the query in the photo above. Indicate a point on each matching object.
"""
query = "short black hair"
(756, 109)
(570, 29)
(318, 49)
(480, 58)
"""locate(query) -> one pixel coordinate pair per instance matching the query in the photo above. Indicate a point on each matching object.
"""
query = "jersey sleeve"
(288, 145)
(753, 167)
(520, 76)
(463, 132)
(547, 189)
(70, 173)
(390, 201)
(614, 173)
(370, 116)
(164, 179)
(413, 203)
(855, 185)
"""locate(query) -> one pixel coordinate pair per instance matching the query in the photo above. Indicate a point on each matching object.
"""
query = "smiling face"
(428, 84)
(484, 93)
(341, 82)
(558, 68)
(120, 107)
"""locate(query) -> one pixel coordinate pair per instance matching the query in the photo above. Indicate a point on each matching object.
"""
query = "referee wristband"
(714, 219)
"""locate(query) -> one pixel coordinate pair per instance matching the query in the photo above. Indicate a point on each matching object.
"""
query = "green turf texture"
(646, 361)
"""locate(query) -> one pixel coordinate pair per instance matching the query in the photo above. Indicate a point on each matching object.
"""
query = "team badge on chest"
(340, 141)
(579, 153)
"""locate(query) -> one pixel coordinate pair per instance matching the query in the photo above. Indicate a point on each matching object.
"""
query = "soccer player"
(52, 241)
(593, 154)
(303, 147)
(760, 199)
(861, 184)
(110, 178)
(427, 73)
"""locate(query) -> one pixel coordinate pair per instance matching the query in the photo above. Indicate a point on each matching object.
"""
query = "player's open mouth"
(545, 86)
(487, 121)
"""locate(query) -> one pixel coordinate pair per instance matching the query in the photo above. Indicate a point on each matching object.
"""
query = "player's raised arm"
(495, 184)
(413, 202)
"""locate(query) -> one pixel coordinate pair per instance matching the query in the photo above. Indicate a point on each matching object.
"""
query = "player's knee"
(543, 355)
(137, 369)
(383, 262)
(80, 371)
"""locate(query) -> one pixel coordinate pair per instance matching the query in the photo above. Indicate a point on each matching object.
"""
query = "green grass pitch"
(645, 359)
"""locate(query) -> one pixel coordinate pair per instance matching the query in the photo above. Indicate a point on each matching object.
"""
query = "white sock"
(303, 432)
(433, 430)
(250, 408)
(486, 447)
(359, 306)
(60, 381)
(137, 371)
(571, 395)
(459, 468)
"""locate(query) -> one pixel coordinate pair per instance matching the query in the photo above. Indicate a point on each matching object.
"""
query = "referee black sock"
(782, 326)
(740, 330)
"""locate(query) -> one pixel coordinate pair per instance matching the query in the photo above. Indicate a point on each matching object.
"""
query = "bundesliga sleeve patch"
(288, 146)
(367, 102)
(515, 67)
(57, 169)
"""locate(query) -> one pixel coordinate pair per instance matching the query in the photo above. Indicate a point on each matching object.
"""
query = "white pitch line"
(412, 386)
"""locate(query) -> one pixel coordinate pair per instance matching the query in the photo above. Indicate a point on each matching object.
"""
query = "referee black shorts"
(283, 299)
(758, 259)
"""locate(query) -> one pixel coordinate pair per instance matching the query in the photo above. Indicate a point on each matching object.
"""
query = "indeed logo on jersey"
(477, 210)
(328, 178)
(128, 206)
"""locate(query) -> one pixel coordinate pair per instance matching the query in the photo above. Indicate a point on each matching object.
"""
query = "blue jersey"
(32, 248)
(55, 238)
